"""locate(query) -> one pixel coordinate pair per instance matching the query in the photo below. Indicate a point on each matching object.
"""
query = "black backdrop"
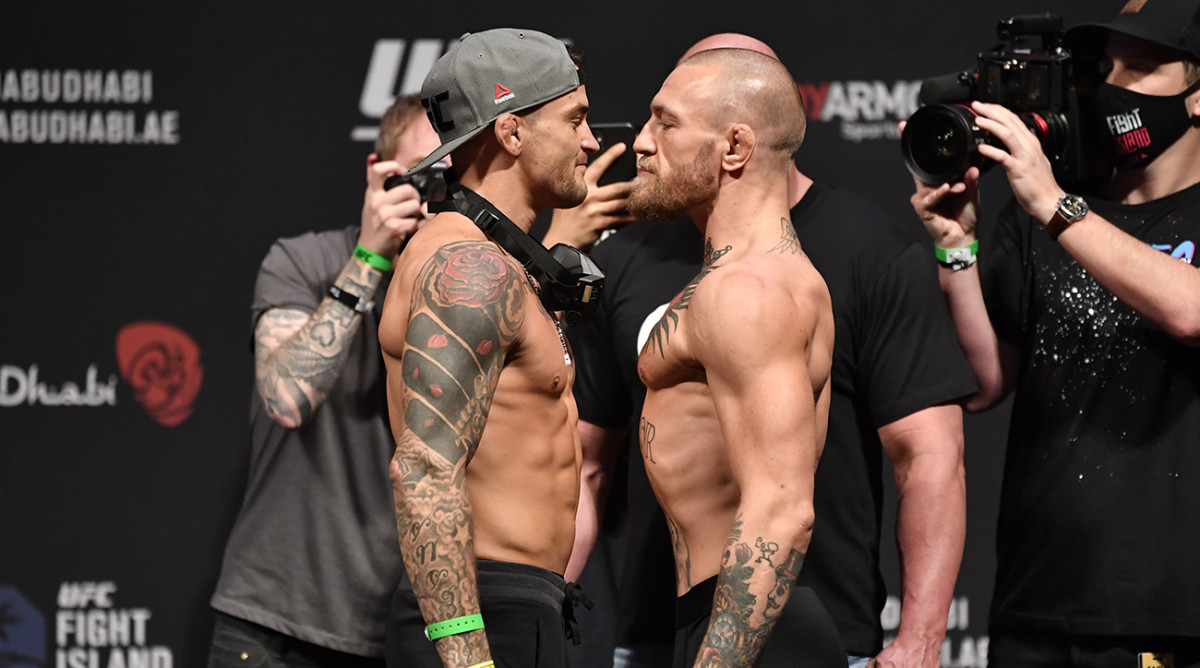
(149, 154)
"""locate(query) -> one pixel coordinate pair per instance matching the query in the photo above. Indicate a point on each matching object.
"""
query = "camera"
(1032, 74)
(431, 183)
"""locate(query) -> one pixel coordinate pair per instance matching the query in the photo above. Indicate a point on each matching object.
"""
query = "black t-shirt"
(895, 353)
(1100, 500)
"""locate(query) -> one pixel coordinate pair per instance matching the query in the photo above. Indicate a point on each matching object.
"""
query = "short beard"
(692, 185)
(569, 192)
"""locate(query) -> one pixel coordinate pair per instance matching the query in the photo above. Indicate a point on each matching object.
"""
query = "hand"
(909, 652)
(950, 211)
(1028, 168)
(388, 216)
(604, 207)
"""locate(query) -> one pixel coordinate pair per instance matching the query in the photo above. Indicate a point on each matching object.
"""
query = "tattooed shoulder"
(788, 242)
(661, 334)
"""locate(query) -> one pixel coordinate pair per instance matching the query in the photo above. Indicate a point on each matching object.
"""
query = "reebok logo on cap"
(458, 87)
(1133, 6)
(503, 94)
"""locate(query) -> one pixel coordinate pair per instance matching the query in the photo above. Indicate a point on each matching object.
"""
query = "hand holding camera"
(393, 204)
(1032, 78)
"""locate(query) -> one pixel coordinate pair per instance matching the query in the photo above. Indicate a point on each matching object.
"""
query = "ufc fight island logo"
(1129, 132)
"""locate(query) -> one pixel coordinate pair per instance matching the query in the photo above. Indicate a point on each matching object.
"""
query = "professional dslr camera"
(1032, 74)
(431, 183)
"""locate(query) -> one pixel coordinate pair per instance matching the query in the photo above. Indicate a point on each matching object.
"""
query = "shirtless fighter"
(737, 370)
(486, 469)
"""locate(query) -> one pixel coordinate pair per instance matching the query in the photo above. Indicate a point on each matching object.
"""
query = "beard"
(563, 188)
(569, 192)
(670, 199)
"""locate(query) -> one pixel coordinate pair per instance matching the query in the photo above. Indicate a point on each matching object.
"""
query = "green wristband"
(454, 626)
(372, 258)
(958, 258)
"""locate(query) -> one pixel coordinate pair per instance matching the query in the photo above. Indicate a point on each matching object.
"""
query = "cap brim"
(444, 150)
(1093, 35)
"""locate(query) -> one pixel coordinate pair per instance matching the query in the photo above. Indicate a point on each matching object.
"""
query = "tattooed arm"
(298, 356)
(756, 344)
(466, 309)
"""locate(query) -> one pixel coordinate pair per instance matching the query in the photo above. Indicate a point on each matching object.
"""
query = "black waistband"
(522, 582)
(696, 603)
(514, 582)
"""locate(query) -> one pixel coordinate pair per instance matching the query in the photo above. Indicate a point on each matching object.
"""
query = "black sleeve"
(1002, 271)
(599, 391)
(908, 356)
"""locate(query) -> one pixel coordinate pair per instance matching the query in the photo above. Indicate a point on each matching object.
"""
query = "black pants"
(522, 608)
(1009, 648)
(237, 642)
(804, 635)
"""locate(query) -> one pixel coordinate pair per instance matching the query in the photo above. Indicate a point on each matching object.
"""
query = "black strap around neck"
(527, 250)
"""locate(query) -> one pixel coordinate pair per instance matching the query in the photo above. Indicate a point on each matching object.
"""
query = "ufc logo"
(433, 105)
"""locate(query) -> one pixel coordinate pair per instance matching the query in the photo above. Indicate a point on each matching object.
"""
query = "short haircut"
(404, 110)
(758, 90)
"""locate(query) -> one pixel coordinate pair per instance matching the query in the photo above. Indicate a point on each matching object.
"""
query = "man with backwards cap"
(1089, 307)
(486, 468)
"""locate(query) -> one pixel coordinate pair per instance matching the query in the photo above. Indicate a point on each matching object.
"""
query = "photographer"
(312, 560)
(1090, 309)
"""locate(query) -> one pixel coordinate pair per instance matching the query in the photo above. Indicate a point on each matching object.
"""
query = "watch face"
(1072, 206)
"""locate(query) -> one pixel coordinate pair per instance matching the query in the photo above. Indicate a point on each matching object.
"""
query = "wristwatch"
(359, 304)
(1070, 209)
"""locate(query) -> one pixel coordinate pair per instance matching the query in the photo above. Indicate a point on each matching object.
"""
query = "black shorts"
(804, 635)
(1011, 648)
(237, 643)
(522, 608)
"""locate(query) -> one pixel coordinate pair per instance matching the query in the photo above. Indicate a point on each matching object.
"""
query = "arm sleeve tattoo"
(467, 308)
(742, 620)
(299, 356)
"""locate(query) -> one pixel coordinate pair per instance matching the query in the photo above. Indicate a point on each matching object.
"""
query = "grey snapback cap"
(490, 73)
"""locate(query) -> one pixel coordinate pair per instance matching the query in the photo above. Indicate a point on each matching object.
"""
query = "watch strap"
(354, 302)
(1060, 220)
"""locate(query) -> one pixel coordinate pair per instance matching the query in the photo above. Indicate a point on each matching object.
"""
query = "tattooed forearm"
(788, 243)
(299, 356)
(669, 323)
(467, 307)
(434, 520)
(741, 620)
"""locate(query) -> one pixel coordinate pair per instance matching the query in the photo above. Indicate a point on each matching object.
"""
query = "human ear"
(741, 141)
(508, 133)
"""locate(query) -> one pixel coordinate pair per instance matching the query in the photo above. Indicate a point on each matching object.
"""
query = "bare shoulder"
(451, 273)
(765, 289)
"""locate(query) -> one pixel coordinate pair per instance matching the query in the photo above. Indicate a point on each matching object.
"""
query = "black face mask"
(1142, 126)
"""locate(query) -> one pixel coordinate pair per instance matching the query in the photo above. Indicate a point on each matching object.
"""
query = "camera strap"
(571, 281)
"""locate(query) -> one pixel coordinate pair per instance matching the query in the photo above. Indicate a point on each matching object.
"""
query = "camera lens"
(939, 143)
